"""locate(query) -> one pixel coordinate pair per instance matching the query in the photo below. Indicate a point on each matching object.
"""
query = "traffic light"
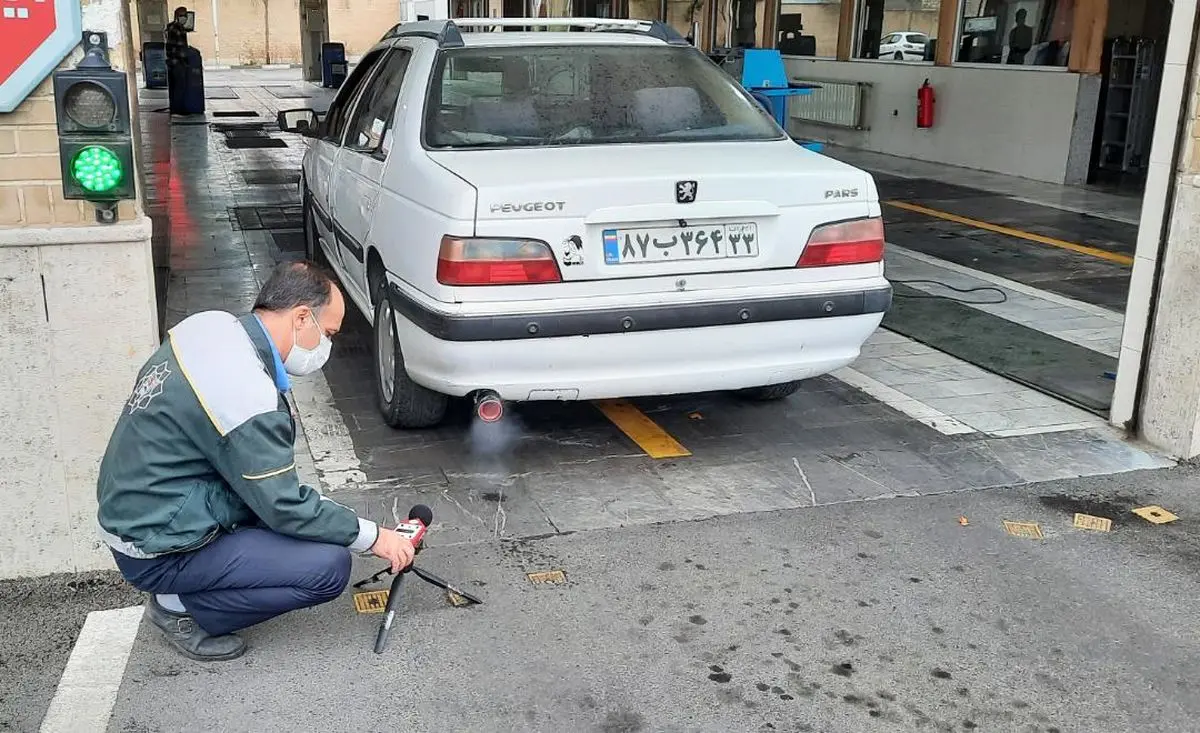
(95, 144)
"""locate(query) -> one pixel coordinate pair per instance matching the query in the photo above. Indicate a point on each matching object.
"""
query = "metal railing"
(836, 104)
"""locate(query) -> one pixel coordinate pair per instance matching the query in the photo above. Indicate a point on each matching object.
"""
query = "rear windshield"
(585, 95)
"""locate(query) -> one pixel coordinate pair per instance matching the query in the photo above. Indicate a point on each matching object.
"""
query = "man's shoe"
(193, 642)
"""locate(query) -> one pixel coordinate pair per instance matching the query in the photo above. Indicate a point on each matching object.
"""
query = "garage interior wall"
(77, 320)
(1013, 121)
(256, 32)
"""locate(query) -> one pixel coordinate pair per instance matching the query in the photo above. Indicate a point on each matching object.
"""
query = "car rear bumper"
(596, 355)
(638, 319)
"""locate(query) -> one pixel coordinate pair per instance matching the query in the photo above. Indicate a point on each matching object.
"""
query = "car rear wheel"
(403, 402)
(769, 393)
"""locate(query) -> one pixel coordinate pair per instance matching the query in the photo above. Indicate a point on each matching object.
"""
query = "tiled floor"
(904, 419)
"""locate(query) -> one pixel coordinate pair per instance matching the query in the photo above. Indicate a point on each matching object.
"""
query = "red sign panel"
(35, 35)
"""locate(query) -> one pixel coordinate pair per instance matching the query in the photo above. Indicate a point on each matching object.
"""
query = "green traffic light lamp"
(97, 169)
(95, 143)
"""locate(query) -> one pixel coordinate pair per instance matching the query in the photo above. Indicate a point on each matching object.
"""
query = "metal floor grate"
(270, 176)
(266, 217)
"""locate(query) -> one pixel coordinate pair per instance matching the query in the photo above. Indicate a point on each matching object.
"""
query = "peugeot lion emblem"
(685, 192)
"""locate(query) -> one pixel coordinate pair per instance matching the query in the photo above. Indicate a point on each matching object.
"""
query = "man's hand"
(393, 547)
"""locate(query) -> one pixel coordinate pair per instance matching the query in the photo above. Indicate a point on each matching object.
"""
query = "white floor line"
(1023, 289)
(88, 687)
(897, 400)
(328, 439)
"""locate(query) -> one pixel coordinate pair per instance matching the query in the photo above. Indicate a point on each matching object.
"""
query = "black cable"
(931, 296)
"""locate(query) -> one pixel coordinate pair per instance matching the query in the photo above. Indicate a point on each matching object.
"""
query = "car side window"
(335, 118)
(369, 128)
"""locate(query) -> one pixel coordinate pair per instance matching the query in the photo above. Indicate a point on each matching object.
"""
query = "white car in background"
(559, 215)
(903, 46)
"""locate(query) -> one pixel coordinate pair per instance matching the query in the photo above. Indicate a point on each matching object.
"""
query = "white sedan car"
(557, 215)
(903, 46)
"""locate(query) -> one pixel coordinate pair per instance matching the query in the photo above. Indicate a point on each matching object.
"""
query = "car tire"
(403, 402)
(899, 56)
(769, 393)
(312, 249)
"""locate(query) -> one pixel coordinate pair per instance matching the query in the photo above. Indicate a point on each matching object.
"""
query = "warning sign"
(37, 35)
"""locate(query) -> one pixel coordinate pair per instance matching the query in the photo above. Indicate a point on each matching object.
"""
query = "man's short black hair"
(293, 284)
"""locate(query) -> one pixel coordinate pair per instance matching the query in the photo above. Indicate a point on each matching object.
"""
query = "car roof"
(550, 38)
(480, 33)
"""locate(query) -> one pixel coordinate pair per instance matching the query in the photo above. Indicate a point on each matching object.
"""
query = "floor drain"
(235, 113)
(1027, 530)
(1088, 521)
(547, 577)
(373, 601)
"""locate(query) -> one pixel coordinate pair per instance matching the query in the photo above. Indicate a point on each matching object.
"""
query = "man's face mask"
(300, 361)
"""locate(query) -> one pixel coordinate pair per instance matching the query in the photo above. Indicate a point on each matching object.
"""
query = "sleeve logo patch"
(149, 387)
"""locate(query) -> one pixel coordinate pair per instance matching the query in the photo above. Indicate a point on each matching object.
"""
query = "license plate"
(666, 244)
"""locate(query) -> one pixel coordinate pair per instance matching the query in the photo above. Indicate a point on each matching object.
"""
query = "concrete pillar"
(77, 319)
(1168, 409)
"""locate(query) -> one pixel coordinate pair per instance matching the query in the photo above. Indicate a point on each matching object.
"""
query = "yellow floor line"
(1029, 236)
(642, 430)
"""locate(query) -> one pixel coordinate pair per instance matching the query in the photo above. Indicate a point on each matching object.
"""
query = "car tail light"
(854, 242)
(490, 261)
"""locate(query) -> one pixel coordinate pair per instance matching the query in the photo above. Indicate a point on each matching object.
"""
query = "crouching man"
(198, 495)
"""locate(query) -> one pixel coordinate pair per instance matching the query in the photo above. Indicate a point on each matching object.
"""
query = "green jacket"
(205, 444)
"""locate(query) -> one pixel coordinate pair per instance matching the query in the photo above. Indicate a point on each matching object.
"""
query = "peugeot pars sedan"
(550, 214)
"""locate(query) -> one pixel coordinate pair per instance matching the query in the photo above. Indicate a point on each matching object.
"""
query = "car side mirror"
(301, 121)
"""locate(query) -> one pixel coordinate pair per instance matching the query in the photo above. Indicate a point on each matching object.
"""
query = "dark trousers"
(244, 578)
(176, 86)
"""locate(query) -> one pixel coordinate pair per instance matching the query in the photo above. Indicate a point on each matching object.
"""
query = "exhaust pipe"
(488, 406)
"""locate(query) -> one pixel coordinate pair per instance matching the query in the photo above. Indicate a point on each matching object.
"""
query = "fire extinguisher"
(925, 101)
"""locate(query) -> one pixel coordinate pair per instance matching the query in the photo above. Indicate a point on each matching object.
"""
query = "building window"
(809, 27)
(1018, 33)
(897, 30)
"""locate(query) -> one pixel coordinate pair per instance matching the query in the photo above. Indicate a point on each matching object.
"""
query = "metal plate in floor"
(248, 218)
(289, 241)
(270, 176)
(241, 143)
(220, 93)
(1025, 355)
(287, 92)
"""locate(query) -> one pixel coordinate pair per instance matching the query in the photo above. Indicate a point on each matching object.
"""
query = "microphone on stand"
(414, 528)
(420, 517)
